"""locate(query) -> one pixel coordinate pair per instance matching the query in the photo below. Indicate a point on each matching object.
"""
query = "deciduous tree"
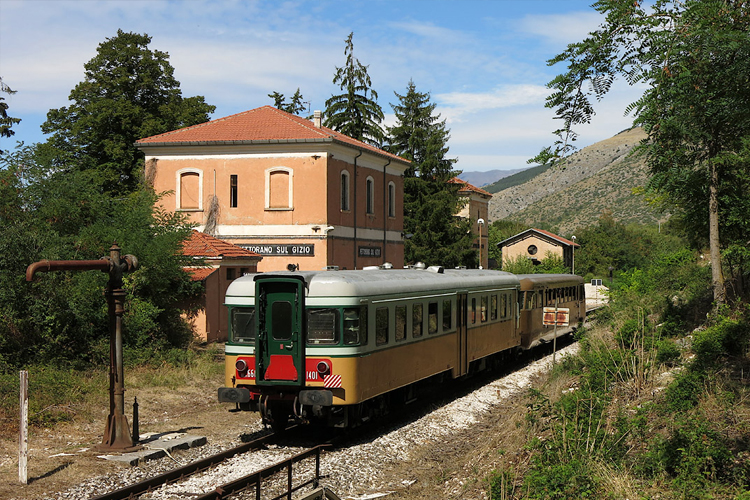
(693, 58)
(129, 92)
(6, 122)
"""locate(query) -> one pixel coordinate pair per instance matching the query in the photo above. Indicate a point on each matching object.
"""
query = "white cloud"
(459, 103)
(561, 29)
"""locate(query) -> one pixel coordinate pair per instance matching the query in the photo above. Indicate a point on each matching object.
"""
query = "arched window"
(189, 194)
(279, 192)
(391, 199)
(370, 184)
(344, 191)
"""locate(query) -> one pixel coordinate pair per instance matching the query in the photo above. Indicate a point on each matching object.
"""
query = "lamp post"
(480, 223)
(573, 271)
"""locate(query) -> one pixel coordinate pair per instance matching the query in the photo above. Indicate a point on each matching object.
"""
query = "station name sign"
(369, 251)
(300, 250)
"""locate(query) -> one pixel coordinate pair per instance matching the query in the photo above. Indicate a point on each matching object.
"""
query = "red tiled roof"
(465, 186)
(540, 231)
(558, 238)
(203, 245)
(200, 273)
(262, 125)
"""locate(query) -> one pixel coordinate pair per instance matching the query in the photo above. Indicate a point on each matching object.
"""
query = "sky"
(484, 62)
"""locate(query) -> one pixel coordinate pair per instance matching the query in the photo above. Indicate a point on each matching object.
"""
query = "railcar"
(539, 291)
(334, 346)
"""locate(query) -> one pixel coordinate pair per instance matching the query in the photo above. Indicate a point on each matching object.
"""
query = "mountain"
(598, 178)
(480, 179)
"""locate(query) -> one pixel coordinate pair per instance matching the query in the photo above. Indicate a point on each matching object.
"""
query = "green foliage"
(692, 59)
(667, 352)
(295, 106)
(129, 93)
(6, 122)
(563, 480)
(551, 264)
(728, 337)
(430, 200)
(682, 394)
(61, 317)
(356, 112)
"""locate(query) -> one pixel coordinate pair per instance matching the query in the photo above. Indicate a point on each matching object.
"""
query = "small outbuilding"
(536, 245)
(220, 263)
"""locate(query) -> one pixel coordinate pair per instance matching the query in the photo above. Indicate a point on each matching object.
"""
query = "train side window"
(493, 307)
(473, 312)
(351, 326)
(504, 306)
(243, 324)
(363, 325)
(382, 318)
(400, 333)
(322, 326)
(484, 309)
(447, 316)
(432, 317)
(417, 319)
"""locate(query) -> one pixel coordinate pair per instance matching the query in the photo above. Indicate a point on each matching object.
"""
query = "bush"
(667, 352)
(563, 480)
(728, 337)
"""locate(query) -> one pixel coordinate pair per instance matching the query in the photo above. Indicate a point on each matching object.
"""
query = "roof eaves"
(236, 143)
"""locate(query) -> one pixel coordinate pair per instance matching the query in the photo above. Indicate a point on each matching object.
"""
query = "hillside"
(480, 179)
(598, 178)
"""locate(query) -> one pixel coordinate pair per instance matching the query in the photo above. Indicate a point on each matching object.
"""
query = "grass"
(59, 394)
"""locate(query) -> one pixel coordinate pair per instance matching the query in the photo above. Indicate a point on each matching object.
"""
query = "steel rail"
(137, 489)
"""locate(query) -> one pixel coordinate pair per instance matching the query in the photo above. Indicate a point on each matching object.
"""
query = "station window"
(322, 326)
(370, 195)
(230, 273)
(381, 325)
(243, 324)
(400, 333)
(233, 191)
(344, 191)
(391, 199)
(493, 308)
(432, 317)
(416, 320)
(447, 316)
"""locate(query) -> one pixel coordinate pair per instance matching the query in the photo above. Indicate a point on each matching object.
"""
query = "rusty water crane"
(117, 432)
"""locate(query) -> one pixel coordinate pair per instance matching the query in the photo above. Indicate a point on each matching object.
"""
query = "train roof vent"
(386, 265)
(419, 265)
(436, 269)
(331, 268)
(371, 268)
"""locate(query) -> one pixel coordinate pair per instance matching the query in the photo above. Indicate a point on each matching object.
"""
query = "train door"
(280, 346)
(462, 363)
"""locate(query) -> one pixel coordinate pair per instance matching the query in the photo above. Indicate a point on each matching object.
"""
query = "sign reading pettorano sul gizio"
(295, 250)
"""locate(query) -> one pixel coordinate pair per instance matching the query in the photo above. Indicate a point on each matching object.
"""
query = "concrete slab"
(158, 445)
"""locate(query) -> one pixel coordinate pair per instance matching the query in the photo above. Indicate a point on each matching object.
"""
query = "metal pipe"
(102, 264)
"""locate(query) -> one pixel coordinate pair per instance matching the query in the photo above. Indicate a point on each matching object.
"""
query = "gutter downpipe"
(385, 210)
(355, 208)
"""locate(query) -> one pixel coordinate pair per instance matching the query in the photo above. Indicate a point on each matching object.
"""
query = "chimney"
(317, 115)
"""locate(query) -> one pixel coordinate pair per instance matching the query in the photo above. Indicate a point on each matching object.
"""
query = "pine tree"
(356, 112)
(295, 106)
(6, 122)
(430, 201)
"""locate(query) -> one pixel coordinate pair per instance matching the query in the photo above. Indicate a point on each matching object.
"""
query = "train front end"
(278, 359)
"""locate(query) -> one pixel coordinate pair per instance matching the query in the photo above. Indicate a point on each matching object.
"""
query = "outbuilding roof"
(262, 125)
(204, 245)
(469, 188)
(541, 232)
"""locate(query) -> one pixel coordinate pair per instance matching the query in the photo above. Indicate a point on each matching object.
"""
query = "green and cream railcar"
(334, 345)
(539, 291)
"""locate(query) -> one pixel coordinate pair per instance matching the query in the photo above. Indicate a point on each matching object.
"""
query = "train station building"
(536, 245)
(299, 194)
(475, 204)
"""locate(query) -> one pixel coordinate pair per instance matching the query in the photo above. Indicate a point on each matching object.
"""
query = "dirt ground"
(64, 457)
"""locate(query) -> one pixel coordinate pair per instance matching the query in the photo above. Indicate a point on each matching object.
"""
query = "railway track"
(256, 479)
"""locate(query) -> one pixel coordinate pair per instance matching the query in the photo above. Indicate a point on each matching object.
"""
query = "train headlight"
(323, 367)
(241, 366)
